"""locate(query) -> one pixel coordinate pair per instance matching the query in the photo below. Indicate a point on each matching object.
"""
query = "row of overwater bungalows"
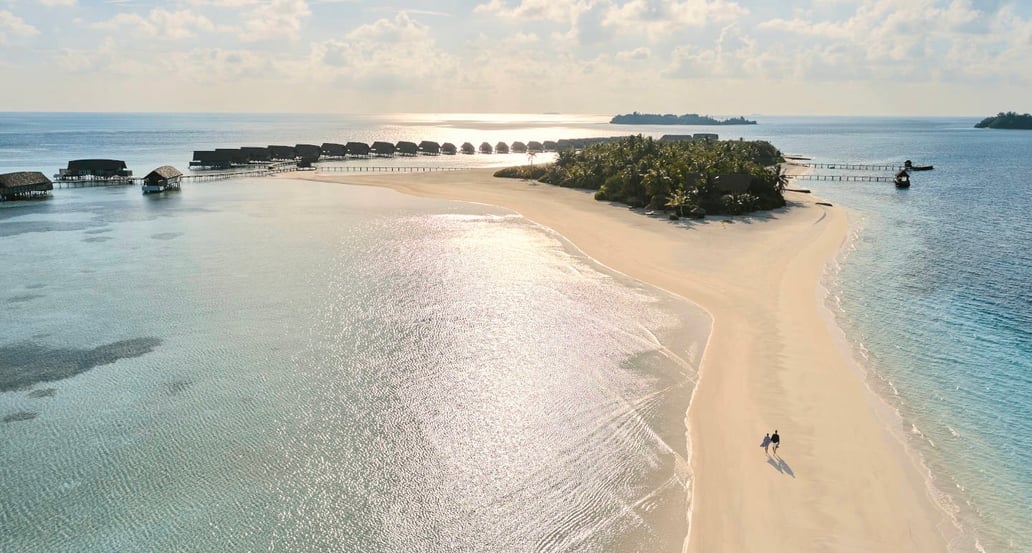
(226, 158)
(25, 185)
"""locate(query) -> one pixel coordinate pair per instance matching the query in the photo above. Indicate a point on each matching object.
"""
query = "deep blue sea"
(269, 365)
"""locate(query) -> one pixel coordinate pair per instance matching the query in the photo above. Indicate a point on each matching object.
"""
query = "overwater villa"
(485, 148)
(519, 147)
(406, 148)
(448, 149)
(236, 156)
(535, 146)
(502, 148)
(24, 185)
(467, 148)
(382, 149)
(551, 145)
(357, 149)
(95, 169)
(161, 179)
(308, 152)
(256, 154)
(429, 148)
(282, 153)
(332, 150)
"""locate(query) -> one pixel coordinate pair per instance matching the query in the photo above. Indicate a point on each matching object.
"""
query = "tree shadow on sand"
(780, 465)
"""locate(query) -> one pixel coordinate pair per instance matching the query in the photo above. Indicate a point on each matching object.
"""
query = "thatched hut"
(502, 148)
(210, 159)
(357, 149)
(705, 136)
(308, 152)
(256, 154)
(485, 148)
(449, 149)
(88, 169)
(407, 148)
(161, 179)
(382, 149)
(467, 148)
(236, 156)
(519, 147)
(429, 148)
(24, 185)
(535, 146)
(334, 150)
(551, 145)
(282, 153)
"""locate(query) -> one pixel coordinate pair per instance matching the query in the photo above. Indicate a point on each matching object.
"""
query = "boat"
(911, 167)
(902, 179)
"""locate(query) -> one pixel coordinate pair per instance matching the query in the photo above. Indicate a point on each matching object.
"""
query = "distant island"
(671, 119)
(1009, 120)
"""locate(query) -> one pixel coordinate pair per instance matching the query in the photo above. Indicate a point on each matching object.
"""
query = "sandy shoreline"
(842, 481)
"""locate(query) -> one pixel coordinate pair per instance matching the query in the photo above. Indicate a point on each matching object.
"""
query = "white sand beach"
(775, 360)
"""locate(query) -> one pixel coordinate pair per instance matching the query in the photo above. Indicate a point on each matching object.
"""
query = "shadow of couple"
(780, 465)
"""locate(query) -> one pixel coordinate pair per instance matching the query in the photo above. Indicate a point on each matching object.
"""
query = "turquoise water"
(222, 295)
(285, 365)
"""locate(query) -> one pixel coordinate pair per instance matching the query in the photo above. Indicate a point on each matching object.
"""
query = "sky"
(718, 57)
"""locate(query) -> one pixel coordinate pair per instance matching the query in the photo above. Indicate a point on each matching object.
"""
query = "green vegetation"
(671, 119)
(1009, 120)
(682, 176)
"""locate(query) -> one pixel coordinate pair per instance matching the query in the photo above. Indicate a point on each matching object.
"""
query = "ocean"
(275, 365)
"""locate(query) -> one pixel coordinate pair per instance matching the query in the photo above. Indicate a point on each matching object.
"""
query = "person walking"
(776, 440)
(766, 443)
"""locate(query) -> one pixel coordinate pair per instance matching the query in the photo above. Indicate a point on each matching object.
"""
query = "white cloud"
(560, 11)
(57, 2)
(660, 18)
(12, 26)
(276, 19)
(159, 23)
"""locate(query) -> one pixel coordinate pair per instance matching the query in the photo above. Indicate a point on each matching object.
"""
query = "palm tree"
(677, 200)
(780, 179)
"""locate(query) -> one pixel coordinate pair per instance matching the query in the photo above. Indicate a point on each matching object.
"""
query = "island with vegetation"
(689, 178)
(1009, 120)
(671, 119)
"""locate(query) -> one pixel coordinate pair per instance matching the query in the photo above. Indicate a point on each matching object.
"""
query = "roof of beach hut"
(407, 147)
(256, 153)
(502, 147)
(25, 178)
(519, 147)
(165, 172)
(467, 148)
(357, 148)
(429, 146)
(485, 148)
(333, 149)
(311, 152)
(448, 148)
(282, 152)
(535, 146)
(382, 148)
(96, 165)
(551, 145)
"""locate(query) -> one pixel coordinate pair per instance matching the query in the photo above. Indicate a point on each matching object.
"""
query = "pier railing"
(843, 178)
(384, 169)
(849, 166)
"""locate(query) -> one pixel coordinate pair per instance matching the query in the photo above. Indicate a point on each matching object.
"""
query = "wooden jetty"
(844, 178)
(850, 166)
(385, 169)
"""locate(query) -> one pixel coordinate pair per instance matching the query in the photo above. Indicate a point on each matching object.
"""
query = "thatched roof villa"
(358, 149)
(161, 179)
(467, 148)
(334, 150)
(308, 152)
(429, 148)
(519, 147)
(551, 145)
(502, 148)
(24, 185)
(88, 169)
(448, 149)
(535, 146)
(406, 148)
(282, 153)
(485, 148)
(236, 156)
(257, 154)
(210, 159)
(382, 149)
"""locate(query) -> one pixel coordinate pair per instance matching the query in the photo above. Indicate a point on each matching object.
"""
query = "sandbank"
(775, 360)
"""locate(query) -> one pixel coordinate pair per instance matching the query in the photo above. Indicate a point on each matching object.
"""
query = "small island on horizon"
(1008, 120)
(671, 119)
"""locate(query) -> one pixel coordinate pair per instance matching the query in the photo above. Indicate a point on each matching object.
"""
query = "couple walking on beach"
(769, 440)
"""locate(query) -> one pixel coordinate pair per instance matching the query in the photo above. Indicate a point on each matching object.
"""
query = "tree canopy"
(1008, 120)
(671, 119)
(643, 172)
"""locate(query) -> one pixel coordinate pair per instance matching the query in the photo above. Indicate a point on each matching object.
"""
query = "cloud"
(560, 11)
(661, 18)
(159, 23)
(276, 19)
(51, 3)
(12, 26)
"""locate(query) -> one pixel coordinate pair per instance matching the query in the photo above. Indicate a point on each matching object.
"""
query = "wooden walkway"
(850, 166)
(198, 177)
(844, 178)
(384, 169)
